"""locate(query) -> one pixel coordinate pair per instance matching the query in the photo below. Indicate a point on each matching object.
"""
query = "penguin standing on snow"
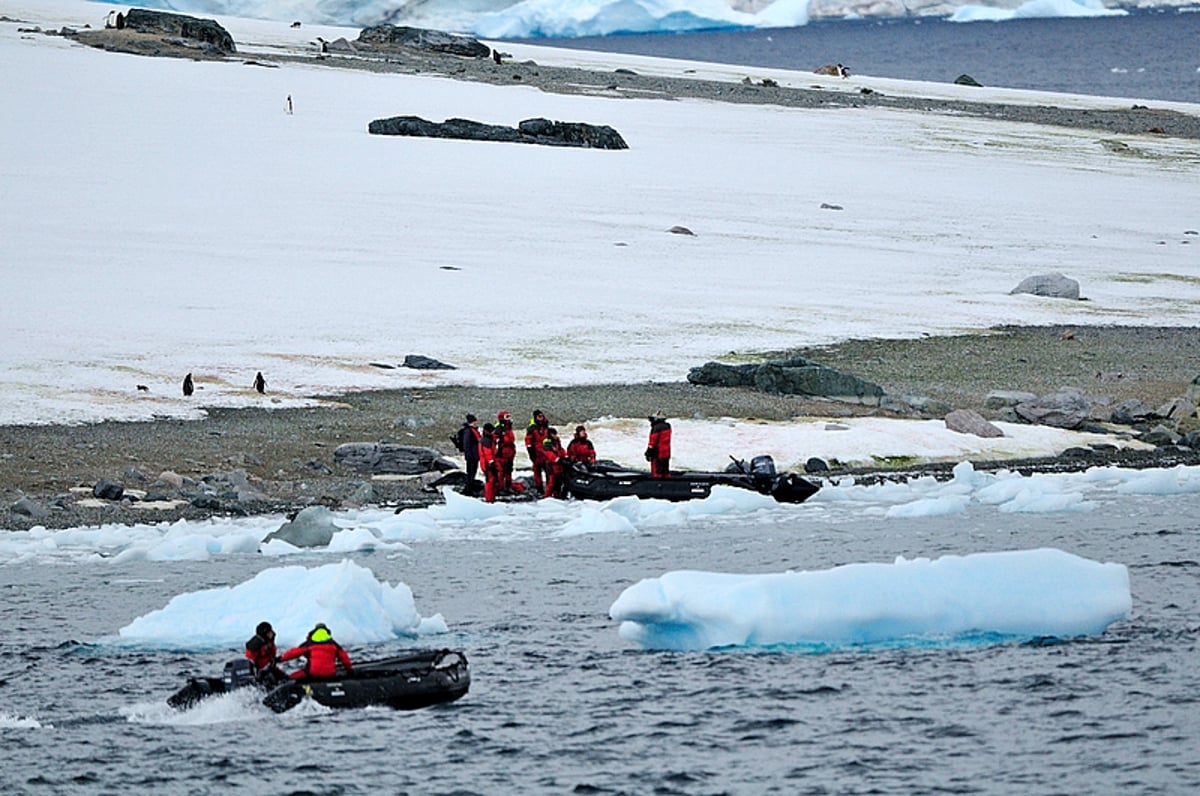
(260, 384)
(188, 387)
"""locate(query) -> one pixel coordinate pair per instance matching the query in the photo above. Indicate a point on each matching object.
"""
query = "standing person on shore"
(487, 461)
(581, 450)
(535, 434)
(506, 449)
(554, 459)
(658, 448)
(470, 447)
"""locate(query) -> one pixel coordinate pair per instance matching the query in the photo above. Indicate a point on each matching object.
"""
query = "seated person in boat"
(321, 656)
(262, 653)
(581, 450)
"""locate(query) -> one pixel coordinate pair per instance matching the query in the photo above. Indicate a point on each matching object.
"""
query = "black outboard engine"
(238, 674)
(762, 466)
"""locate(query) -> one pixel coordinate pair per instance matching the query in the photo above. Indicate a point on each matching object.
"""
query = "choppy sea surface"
(560, 704)
(1152, 54)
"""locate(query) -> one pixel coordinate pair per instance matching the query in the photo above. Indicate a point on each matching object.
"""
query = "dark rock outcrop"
(530, 131)
(1068, 408)
(795, 376)
(159, 33)
(380, 458)
(161, 23)
(29, 508)
(420, 39)
(421, 362)
(108, 490)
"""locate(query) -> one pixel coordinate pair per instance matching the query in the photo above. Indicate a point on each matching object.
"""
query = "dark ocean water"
(559, 704)
(1146, 55)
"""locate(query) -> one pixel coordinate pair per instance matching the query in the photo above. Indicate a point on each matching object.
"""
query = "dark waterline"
(1152, 55)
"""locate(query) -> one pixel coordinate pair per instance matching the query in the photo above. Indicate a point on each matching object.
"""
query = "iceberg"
(1014, 595)
(346, 596)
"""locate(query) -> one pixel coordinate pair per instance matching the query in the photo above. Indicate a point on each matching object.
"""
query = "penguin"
(188, 387)
(260, 384)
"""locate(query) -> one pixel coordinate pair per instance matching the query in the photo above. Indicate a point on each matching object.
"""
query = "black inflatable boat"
(406, 682)
(606, 480)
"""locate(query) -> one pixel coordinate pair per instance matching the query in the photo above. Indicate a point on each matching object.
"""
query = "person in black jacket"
(470, 447)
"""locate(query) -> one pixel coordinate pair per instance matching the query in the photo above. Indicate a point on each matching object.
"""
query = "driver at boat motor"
(321, 653)
(262, 653)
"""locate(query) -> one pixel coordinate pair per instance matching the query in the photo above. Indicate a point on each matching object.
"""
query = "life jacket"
(660, 440)
(471, 437)
(552, 450)
(321, 657)
(582, 450)
(535, 435)
(487, 449)
(506, 443)
(261, 652)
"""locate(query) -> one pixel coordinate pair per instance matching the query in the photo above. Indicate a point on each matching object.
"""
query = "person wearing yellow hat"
(321, 655)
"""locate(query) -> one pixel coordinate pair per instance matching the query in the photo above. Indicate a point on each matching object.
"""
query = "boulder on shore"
(385, 458)
(1049, 285)
(1068, 408)
(968, 421)
(423, 40)
(794, 376)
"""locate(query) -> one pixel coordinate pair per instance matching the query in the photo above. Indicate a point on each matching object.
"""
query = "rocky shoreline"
(256, 461)
(428, 52)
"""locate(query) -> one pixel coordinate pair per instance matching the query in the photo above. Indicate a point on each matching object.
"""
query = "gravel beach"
(287, 455)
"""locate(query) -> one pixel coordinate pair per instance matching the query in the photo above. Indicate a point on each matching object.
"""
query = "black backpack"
(458, 437)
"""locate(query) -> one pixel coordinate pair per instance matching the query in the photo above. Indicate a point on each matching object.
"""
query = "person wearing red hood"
(581, 450)
(322, 655)
(658, 449)
(506, 449)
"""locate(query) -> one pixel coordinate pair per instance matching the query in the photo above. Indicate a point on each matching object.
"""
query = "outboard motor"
(762, 466)
(238, 674)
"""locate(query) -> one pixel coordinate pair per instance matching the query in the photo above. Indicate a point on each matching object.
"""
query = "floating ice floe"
(994, 596)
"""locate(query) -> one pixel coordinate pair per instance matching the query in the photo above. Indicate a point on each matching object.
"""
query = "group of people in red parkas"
(320, 652)
(491, 450)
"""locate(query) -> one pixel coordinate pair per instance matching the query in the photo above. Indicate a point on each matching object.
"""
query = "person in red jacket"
(506, 449)
(487, 462)
(554, 458)
(262, 653)
(535, 434)
(658, 449)
(322, 655)
(581, 450)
